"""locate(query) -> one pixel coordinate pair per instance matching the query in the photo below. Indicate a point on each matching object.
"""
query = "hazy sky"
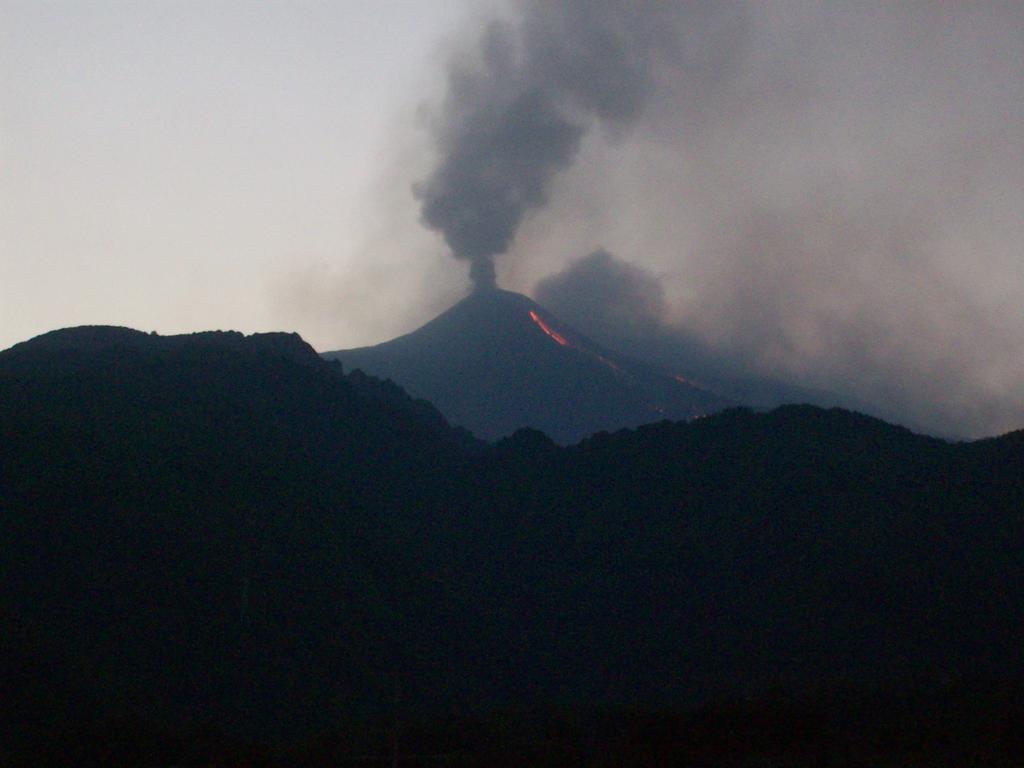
(191, 165)
(827, 192)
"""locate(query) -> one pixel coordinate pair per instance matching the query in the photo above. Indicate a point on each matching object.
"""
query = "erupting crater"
(484, 365)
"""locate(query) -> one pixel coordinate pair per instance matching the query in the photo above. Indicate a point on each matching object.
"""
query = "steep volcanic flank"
(497, 362)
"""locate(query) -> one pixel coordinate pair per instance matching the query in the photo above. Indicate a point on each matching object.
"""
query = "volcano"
(497, 362)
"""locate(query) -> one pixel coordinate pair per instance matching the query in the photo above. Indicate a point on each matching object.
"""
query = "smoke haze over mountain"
(829, 194)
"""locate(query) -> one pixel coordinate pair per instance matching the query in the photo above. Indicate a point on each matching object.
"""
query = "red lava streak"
(548, 329)
(565, 342)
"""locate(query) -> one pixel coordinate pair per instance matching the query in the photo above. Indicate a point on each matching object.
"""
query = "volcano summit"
(497, 362)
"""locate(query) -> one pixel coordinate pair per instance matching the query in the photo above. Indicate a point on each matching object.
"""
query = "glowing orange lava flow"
(548, 330)
(566, 343)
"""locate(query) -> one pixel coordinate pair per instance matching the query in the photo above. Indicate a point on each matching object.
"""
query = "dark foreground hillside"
(225, 541)
(946, 724)
(196, 527)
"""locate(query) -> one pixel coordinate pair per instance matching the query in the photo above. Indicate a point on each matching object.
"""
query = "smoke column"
(517, 110)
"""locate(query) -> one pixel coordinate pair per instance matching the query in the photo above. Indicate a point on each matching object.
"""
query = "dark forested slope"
(195, 523)
(228, 529)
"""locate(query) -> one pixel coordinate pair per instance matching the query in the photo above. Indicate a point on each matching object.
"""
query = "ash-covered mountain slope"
(497, 362)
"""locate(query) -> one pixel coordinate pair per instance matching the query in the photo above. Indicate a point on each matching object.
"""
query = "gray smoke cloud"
(617, 301)
(623, 306)
(829, 194)
(518, 108)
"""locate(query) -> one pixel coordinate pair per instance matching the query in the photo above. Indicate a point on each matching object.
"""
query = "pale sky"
(183, 166)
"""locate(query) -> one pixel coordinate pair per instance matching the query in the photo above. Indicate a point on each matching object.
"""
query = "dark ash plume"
(496, 168)
(516, 114)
